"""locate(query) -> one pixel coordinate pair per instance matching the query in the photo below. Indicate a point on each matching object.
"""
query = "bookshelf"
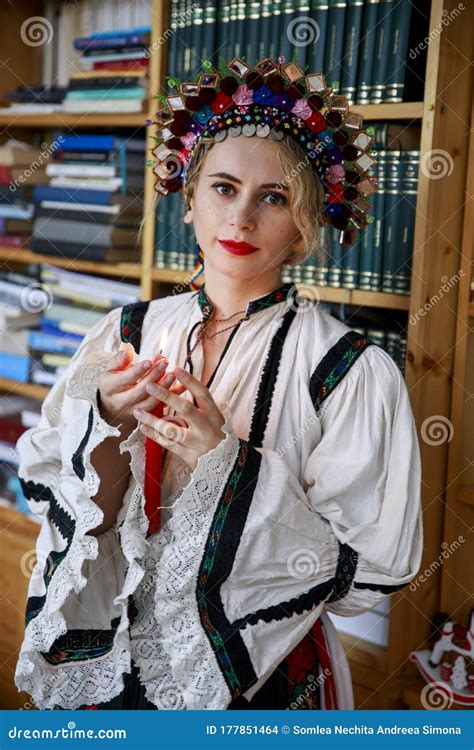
(439, 352)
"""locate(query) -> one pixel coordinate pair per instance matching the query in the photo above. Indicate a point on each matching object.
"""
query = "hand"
(122, 387)
(195, 430)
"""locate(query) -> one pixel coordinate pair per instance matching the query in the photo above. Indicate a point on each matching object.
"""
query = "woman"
(291, 475)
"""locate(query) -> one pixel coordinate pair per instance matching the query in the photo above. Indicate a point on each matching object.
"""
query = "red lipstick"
(238, 248)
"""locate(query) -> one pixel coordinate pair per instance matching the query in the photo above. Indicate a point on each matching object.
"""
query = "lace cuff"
(64, 538)
(193, 678)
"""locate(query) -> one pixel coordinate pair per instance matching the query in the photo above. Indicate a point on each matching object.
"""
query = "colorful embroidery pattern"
(217, 637)
(335, 364)
(272, 298)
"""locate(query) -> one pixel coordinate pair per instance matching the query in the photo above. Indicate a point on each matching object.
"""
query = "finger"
(182, 406)
(169, 431)
(181, 450)
(137, 375)
(140, 392)
(202, 394)
(119, 361)
(147, 401)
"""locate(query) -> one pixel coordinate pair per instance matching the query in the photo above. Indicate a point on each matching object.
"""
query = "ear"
(188, 216)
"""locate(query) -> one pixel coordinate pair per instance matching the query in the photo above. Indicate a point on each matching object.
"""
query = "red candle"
(153, 459)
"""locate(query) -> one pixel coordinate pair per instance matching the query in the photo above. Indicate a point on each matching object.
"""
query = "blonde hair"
(306, 196)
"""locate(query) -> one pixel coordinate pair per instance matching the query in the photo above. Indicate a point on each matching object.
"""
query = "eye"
(224, 185)
(277, 199)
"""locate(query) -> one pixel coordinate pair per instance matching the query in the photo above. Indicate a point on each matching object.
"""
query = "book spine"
(391, 223)
(334, 40)
(319, 14)
(352, 41)
(410, 163)
(367, 51)
(395, 80)
(379, 214)
(382, 57)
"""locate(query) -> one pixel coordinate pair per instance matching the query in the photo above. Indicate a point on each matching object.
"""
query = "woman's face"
(241, 195)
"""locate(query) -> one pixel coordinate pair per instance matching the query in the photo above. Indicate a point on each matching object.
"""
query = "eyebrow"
(228, 176)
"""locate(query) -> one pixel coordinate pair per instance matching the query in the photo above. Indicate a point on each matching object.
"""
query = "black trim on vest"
(77, 459)
(219, 555)
(383, 588)
(266, 386)
(131, 321)
(345, 572)
(335, 365)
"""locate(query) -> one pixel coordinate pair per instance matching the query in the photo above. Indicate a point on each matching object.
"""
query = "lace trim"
(101, 679)
(176, 660)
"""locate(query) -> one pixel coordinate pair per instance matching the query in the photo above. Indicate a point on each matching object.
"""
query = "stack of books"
(114, 65)
(374, 49)
(17, 414)
(79, 302)
(20, 300)
(21, 166)
(44, 322)
(92, 205)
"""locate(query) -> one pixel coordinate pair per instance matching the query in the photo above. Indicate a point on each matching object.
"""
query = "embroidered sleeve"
(252, 557)
(78, 590)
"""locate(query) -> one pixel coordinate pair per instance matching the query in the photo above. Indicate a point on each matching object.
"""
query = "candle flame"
(163, 340)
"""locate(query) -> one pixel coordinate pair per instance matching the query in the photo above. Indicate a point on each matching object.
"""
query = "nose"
(243, 214)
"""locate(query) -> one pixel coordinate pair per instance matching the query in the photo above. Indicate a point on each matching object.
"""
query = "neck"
(229, 295)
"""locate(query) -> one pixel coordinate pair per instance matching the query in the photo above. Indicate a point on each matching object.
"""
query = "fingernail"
(161, 366)
(146, 365)
(168, 379)
(152, 388)
(139, 413)
(180, 371)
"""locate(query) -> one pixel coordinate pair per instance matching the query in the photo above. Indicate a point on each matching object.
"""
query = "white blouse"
(310, 504)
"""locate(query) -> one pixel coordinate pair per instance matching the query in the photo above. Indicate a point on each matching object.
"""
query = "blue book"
(120, 32)
(73, 195)
(90, 142)
(14, 366)
(127, 39)
(47, 325)
(48, 342)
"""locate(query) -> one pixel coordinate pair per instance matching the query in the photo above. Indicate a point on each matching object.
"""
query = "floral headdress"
(274, 99)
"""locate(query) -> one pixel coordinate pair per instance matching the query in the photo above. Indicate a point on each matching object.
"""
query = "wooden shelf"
(470, 310)
(355, 297)
(123, 270)
(62, 119)
(32, 390)
(402, 111)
